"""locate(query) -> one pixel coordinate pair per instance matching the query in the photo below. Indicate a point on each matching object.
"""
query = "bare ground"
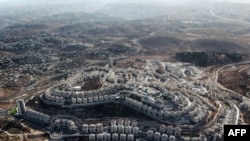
(236, 81)
(237, 78)
(8, 92)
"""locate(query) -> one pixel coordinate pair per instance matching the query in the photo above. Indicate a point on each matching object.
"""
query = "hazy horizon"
(18, 2)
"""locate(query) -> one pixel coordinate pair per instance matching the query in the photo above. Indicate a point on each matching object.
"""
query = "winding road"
(227, 19)
(222, 87)
(223, 67)
(138, 45)
(237, 114)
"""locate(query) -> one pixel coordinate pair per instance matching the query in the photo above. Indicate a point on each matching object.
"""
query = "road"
(212, 121)
(237, 114)
(138, 45)
(217, 16)
(227, 19)
(223, 67)
(223, 88)
(5, 83)
(35, 89)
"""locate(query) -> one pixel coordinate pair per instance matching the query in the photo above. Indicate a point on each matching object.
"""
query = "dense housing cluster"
(158, 90)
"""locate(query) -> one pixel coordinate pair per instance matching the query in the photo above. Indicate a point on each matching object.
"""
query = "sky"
(49, 1)
(6, 3)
